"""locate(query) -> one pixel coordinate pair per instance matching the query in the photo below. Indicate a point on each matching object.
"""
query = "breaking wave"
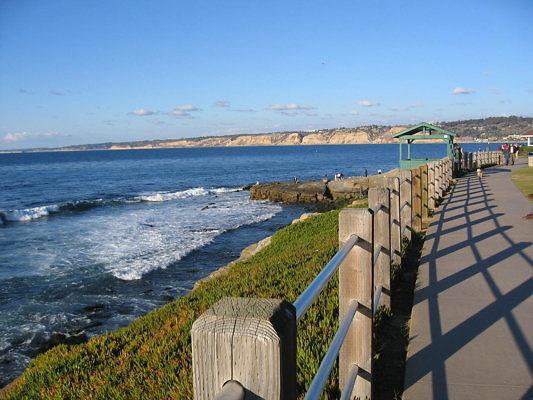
(34, 213)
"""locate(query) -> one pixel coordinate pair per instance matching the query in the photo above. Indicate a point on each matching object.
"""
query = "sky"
(80, 71)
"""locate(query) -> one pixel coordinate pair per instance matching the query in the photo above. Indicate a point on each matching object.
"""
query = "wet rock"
(290, 192)
(94, 308)
(56, 339)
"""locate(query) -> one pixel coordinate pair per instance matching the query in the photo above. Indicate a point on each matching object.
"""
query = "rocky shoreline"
(247, 253)
(308, 192)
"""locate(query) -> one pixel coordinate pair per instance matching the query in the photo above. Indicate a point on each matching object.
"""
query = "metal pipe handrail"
(317, 385)
(346, 393)
(377, 252)
(309, 295)
(231, 390)
(377, 297)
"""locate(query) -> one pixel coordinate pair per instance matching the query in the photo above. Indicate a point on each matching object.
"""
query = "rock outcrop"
(310, 191)
(318, 191)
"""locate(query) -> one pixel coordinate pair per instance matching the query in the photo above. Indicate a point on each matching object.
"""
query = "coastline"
(119, 147)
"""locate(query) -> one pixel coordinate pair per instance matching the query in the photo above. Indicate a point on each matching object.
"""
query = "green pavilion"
(423, 131)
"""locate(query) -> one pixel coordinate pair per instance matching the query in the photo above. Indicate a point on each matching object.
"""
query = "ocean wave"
(34, 213)
(183, 194)
(28, 214)
(176, 236)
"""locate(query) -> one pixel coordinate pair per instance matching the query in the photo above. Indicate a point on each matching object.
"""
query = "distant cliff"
(330, 136)
(495, 128)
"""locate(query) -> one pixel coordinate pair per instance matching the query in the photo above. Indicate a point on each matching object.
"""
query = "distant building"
(529, 136)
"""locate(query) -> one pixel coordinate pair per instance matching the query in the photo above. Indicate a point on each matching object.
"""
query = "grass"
(523, 179)
(151, 358)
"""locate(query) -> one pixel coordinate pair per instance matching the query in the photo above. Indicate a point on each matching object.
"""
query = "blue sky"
(79, 71)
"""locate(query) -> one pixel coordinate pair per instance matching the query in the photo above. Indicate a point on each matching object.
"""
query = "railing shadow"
(469, 192)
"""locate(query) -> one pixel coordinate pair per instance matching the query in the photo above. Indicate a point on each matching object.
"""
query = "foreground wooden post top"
(251, 341)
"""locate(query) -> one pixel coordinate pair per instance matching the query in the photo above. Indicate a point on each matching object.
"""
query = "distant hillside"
(493, 128)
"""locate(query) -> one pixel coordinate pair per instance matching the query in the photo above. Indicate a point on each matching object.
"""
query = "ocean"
(91, 240)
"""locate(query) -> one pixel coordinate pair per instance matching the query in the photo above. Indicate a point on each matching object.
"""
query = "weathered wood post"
(406, 205)
(438, 180)
(425, 191)
(417, 199)
(431, 185)
(380, 198)
(355, 283)
(251, 341)
(395, 236)
(448, 168)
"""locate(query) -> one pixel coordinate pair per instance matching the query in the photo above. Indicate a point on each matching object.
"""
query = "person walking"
(513, 150)
(506, 153)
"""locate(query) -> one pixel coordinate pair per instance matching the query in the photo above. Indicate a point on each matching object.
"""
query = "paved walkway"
(472, 324)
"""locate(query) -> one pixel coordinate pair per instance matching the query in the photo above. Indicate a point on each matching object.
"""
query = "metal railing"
(365, 253)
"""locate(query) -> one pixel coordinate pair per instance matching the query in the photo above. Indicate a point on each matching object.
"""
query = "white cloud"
(289, 107)
(354, 113)
(367, 103)
(186, 108)
(245, 110)
(141, 112)
(221, 103)
(405, 108)
(18, 136)
(462, 91)
(183, 111)
(293, 109)
(15, 137)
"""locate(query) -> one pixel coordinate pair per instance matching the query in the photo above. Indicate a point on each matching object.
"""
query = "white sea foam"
(155, 238)
(183, 194)
(29, 214)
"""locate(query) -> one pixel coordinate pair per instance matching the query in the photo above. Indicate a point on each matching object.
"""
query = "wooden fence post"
(425, 191)
(406, 203)
(449, 172)
(381, 196)
(431, 185)
(395, 236)
(417, 199)
(251, 341)
(355, 283)
(438, 180)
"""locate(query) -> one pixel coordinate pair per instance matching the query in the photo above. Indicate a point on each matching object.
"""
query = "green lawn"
(523, 179)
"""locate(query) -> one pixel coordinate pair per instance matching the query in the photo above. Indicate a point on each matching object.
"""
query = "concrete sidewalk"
(472, 323)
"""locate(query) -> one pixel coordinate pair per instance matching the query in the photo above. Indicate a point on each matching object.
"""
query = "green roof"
(423, 127)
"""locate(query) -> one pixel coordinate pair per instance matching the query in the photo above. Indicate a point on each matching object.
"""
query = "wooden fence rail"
(246, 348)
